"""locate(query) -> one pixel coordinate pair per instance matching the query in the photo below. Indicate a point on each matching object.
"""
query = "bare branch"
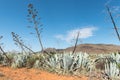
(115, 27)
(4, 53)
(76, 43)
(19, 42)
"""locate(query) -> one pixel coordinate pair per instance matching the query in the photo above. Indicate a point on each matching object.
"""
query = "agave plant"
(65, 61)
(112, 70)
(19, 60)
(111, 65)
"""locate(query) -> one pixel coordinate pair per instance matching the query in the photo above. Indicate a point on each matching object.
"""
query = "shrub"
(19, 60)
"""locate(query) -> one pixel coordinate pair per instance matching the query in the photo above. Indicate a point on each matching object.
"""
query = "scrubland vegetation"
(103, 66)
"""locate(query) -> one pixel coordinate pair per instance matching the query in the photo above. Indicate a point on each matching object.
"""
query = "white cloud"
(60, 37)
(108, 2)
(72, 34)
(114, 9)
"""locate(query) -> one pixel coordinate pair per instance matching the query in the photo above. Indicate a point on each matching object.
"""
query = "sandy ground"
(7, 73)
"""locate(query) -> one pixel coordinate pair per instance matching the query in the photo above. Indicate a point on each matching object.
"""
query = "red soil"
(7, 73)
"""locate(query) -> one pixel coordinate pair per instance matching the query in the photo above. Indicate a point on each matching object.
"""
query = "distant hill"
(90, 48)
(95, 48)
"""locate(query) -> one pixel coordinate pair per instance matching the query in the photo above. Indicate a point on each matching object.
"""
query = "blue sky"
(61, 20)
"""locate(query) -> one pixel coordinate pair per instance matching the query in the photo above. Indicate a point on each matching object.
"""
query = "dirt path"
(7, 73)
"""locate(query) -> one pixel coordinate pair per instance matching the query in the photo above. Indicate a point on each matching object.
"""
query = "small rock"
(2, 75)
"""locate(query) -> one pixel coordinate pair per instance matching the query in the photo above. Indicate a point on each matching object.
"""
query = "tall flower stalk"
(35, 19)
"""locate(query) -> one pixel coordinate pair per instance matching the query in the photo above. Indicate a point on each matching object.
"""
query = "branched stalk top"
(35, 19)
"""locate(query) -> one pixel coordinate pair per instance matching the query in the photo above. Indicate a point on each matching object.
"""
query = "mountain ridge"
(89, 48)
